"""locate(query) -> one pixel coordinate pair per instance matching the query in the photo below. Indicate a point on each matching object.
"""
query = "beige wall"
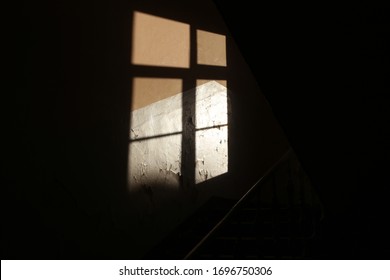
(158, 41)
(149, 90)
(74, 188)
(176, 46)
(162, 42)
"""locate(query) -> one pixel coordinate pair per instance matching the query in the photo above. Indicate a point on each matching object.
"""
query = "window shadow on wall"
(174, 122)
(178, 63)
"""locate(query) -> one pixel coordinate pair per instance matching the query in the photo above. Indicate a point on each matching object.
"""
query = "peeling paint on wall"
(156, 138)
(211, 138)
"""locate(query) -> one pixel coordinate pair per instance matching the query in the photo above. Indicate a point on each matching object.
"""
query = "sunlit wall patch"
(147, 90)
(211, 48)
(159, 41)
(155, 152)
(211, 135)
(155, 144)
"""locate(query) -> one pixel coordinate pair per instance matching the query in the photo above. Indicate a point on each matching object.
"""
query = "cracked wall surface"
(156, 152)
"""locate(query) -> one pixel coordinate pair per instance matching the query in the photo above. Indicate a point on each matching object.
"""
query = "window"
(179, 118)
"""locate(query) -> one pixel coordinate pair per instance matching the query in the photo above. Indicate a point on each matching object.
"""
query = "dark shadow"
(66, 193)
(174, 133)
(328, 91)
(188, 121)
(67, 158)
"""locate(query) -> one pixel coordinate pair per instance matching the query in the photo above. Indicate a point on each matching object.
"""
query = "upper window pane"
(211, 48)
(160, 42)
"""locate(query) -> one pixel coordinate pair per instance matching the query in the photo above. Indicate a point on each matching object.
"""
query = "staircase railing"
(236, 206)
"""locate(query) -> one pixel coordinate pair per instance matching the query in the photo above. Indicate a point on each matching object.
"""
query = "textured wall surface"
(155, 154)
(185, 144)
(68, 184)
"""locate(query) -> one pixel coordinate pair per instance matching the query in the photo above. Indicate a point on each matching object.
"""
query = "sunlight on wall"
(150, 90)
(176, 138)
(200, 82)
(211, 48)
(155, 144)
(156, 134)
(160, 42)
(211, 138)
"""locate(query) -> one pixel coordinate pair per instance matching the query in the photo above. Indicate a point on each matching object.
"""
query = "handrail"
(238, 203)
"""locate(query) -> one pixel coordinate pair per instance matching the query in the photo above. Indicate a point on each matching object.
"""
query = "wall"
(67, 191)
(176, 47)
(156, 154)
(332, 105)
